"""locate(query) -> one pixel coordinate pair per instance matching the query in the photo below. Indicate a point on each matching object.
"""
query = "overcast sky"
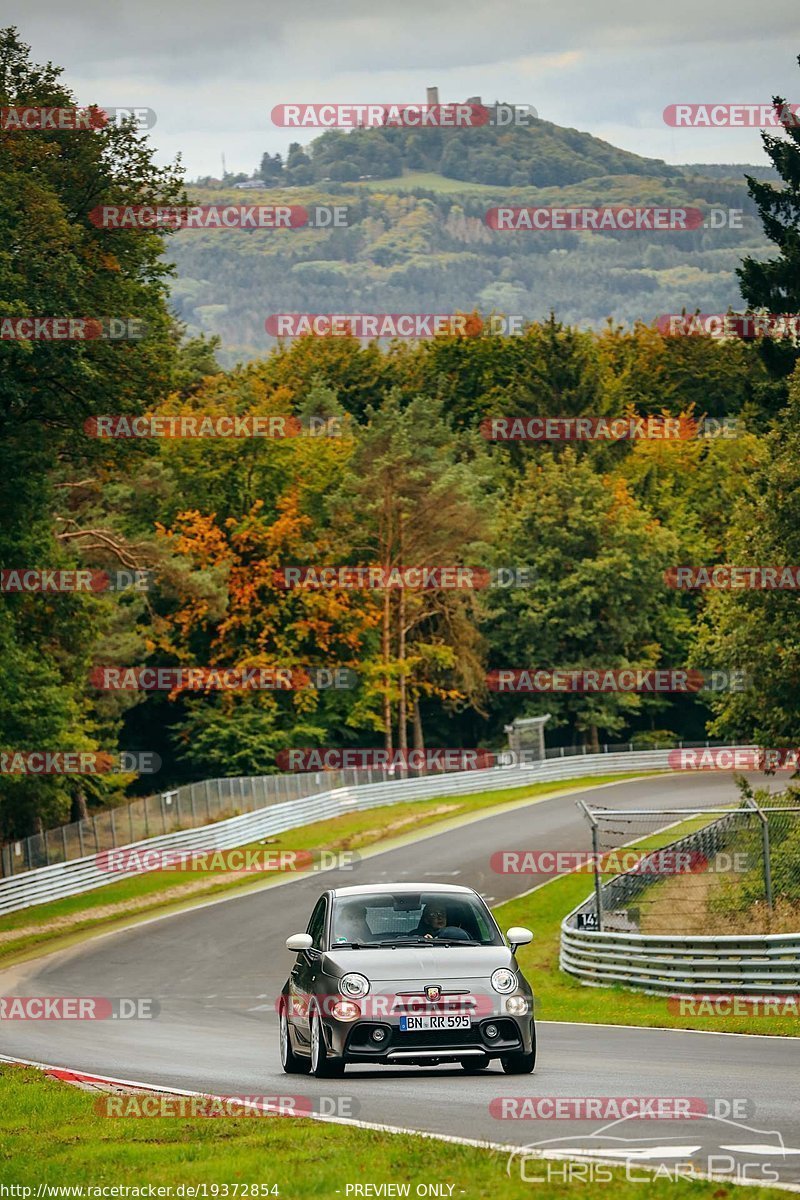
(213, 71)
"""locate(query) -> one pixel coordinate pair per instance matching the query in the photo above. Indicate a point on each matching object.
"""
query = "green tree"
(57, 263)
(597, 598)
(410, 496)
(775, 284)
(753, 630)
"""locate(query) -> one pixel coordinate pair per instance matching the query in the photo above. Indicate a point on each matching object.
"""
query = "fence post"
(64, 840)
(764, 819)
(96, 840)
(130, 820)
(598, 895)
(80, 839)
(208, 799)
(113, 829)
(191, 801)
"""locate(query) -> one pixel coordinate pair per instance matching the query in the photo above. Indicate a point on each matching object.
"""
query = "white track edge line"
(452, 1139)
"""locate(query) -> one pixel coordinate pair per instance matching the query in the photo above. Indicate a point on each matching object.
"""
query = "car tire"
(322, 1066)
(521, 1063)
(292, 1063)
(473, 1065)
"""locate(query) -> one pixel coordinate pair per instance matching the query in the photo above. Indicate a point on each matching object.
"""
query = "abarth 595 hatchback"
(398, 974)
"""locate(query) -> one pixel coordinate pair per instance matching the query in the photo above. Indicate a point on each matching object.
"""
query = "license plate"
(409, 1024)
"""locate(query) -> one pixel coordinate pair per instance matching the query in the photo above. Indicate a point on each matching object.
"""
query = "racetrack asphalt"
(216, 971)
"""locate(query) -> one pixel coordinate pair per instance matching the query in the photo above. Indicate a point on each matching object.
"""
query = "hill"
(417, 240)
(540, 154)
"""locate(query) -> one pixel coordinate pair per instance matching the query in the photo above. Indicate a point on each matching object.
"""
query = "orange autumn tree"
(265, 625)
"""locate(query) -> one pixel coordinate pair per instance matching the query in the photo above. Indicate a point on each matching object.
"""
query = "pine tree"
(775, 284)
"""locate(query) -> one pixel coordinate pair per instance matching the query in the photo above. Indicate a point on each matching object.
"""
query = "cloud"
(213, 73)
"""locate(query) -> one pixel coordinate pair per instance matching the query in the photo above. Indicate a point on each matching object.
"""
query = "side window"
(316, 926)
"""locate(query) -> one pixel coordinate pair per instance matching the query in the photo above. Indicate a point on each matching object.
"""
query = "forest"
(384, 462)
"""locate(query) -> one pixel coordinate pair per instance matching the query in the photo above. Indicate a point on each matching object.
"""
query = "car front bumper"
(380, 1039)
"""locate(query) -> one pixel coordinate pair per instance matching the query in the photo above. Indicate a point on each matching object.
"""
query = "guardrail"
(84, 874)
(754, 964)
(197, 804)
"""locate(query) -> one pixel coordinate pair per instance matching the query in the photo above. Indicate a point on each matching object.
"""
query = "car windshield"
(412, 918)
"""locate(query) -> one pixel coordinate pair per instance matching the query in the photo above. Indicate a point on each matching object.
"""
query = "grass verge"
(50, 1134)
(561, 997)
(54, 924)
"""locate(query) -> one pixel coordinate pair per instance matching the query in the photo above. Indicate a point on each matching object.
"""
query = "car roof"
(389, 889)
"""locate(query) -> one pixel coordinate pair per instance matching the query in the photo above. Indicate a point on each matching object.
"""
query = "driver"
(434, 918)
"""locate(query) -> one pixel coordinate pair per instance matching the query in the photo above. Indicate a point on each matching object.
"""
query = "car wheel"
(521, 1064)
(473, 1065)
(292, 1063)
(321, 1065)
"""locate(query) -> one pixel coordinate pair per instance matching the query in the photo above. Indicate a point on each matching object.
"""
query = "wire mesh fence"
(729, 871)
(186, 807)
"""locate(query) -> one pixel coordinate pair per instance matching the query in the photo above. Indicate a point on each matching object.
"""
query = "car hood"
(421, 963)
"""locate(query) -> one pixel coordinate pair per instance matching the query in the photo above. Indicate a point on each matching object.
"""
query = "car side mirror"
(518, 935)
(299, 942)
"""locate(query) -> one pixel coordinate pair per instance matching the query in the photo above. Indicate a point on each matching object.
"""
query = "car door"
(303, 980)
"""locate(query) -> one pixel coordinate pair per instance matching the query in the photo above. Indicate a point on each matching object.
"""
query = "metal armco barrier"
(84, 874)
(753, 964)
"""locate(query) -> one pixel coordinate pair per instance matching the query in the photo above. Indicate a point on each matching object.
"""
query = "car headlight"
(353, 984)
(345, 1010)
(517, 1006)
(504, 980)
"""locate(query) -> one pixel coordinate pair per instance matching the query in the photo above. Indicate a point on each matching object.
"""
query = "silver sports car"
(405, 973)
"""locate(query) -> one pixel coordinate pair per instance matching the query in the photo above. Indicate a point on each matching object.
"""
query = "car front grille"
(431, 1038)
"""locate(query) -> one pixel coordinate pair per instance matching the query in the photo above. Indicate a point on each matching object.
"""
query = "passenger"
(351, 925)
